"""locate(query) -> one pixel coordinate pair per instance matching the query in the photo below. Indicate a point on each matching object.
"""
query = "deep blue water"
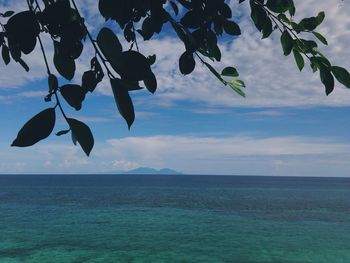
(139, 218)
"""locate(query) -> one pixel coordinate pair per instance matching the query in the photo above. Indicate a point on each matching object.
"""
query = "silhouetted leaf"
(187, 63)
(53, 83)
(230, 72)
(60, 133)
(73, 94)
(23, 64)
(82, 134)
(152, 59)
(64, 65)
(5, 54)
(175, 8)
(129, 33)
(231, 28)
(110, 46)
(151, 83)
(147, 28)
(225, 10)
(22, 30)
(123, 101)
(134, 66)
(36, 129)
(342, 75)
(8, 13)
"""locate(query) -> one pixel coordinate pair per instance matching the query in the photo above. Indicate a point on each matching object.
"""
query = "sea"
(177, 218)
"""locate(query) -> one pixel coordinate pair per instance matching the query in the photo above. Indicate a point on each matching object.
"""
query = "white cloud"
(188, 154)
(272, 79)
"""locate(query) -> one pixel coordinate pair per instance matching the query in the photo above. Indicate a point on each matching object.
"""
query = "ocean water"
(106, 218)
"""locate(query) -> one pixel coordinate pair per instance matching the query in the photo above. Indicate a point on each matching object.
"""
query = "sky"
(286, 126)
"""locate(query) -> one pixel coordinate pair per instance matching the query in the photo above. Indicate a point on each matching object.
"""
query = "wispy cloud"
(272, 80)
(189, 154)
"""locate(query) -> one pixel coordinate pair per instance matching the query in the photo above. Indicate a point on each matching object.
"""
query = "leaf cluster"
(198, 24)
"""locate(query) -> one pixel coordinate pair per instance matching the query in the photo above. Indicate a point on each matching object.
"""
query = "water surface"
(106, 218)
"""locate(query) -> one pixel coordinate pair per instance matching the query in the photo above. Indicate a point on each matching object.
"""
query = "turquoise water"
(105, 218)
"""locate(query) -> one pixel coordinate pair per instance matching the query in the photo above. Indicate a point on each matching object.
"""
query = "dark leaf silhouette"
(187, 63)
(63, 132)
(134, 66)
(53, 83)
(123, 101)
(198, 25)
(110, 46)
(151, 83)
(82, 134)
(64, 65)
(22, 30)
(6, 54)
(36, 129)
(73, 94)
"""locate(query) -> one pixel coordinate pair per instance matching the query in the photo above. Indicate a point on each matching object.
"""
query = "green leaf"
(320, 17)
(82, 134)
(258, 15)
(238, 82)
(231, 28)
(342, 75)
(73, 94)
(123, 101)
(36, 129)
(187, 63)
(64, 65)
(299, 59)
(287, 42)
(278, 6)
(237, 89)
(327, 79)
(230, 72)
(267, 29)
(320, 37)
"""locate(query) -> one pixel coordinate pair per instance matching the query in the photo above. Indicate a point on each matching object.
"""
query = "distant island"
(148, 170)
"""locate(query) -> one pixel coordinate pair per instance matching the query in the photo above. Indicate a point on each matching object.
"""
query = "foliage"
(198, 24)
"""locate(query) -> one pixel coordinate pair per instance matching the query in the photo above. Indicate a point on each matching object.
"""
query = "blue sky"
(285, 126)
